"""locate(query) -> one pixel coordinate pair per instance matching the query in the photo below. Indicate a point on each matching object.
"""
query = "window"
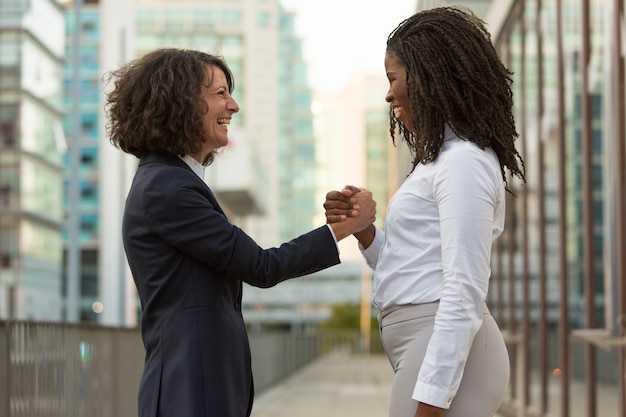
(263, 18)
(231, 17)
(87, 159)
(146, 21)
(87, 193)
(8, 133)
(89, 125)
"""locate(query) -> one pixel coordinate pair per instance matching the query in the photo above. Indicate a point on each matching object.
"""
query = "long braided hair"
(455, 76)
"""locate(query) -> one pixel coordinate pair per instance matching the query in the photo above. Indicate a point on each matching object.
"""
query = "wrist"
(366, 236)
(340, 230)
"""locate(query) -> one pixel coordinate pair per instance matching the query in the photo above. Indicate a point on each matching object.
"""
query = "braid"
(455, 76)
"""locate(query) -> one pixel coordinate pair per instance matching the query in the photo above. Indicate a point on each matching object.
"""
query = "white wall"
(116, 171)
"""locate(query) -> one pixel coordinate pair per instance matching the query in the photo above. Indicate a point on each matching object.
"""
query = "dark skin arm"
(427, 410)
(340, 205)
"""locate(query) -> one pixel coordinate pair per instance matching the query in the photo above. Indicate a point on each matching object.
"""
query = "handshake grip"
(350, 211)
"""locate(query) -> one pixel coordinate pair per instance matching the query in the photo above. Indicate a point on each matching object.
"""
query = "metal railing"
(559, 277)
(55, 369)
(82, 370)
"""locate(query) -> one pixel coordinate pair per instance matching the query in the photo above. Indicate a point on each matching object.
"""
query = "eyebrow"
(216, 87)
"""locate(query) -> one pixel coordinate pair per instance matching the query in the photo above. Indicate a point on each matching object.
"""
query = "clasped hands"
(351, 211)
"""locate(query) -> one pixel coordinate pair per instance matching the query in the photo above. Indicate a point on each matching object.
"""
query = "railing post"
(522, 376)
(5, 345)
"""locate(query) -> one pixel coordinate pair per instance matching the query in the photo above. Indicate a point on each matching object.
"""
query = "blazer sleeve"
(181, 215)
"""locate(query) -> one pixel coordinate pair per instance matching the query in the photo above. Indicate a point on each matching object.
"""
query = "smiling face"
(221, 107)
(397, 95)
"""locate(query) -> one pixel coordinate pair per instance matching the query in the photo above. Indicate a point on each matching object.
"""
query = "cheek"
(397, 92)
(402, 92)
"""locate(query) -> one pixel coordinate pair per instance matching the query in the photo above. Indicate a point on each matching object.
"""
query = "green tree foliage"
(346, 316)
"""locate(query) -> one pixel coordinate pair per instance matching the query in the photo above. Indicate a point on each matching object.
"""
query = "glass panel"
(232, 17)
(40, 242)
(41, 189)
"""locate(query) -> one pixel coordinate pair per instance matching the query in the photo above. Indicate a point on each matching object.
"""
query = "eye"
(222, 92)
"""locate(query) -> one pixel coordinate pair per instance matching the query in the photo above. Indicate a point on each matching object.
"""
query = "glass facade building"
(31, 150)
(88, 140)
(296, 143)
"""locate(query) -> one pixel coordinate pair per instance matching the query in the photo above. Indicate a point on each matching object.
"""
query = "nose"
(233, 106)
(389, 96)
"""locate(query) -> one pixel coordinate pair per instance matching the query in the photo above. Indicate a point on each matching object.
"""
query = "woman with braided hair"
(451, 101)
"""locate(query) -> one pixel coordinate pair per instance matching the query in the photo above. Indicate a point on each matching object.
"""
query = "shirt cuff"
(332, 232)
(432, 395)
(373, 250)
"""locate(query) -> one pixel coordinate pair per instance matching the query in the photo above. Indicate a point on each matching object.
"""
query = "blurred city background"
(310, 81)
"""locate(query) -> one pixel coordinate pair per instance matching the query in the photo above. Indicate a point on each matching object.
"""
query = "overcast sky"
(341, 35)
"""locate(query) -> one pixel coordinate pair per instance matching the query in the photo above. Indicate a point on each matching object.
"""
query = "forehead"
(393, 62)
(215, 76)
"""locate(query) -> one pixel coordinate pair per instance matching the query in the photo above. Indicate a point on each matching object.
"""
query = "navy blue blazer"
(188, 263)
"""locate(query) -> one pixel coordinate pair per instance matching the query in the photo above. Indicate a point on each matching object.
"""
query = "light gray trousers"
(405, 332)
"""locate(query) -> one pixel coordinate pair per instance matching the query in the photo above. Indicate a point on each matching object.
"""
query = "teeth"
(397, 111)
(223, 121)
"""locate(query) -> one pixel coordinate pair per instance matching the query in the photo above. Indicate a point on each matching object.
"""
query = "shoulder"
(163, 165)
(460, 154)
(164, 175)
(463, 166)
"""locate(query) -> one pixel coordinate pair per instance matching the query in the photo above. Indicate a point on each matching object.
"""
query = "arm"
(468, 189)
(178, 214)
(366, 236)
(427, 410)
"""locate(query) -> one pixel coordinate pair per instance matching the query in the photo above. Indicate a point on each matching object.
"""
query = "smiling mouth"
(223, 121)
(397, 111)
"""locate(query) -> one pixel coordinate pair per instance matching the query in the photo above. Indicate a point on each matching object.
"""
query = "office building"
(31, 149)
(87, 140)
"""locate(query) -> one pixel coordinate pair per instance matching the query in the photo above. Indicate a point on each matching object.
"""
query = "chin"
(219, 143)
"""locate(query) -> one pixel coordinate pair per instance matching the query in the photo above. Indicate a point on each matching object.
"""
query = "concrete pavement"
(337, 385)
(345, 384)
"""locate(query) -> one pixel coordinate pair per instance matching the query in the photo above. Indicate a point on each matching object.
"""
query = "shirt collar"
(195, 166)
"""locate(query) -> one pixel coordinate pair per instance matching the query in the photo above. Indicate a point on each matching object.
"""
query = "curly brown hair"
(462, 82)
(156, 102)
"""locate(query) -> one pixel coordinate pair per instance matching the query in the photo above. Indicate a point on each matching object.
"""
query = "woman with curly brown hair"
(171, 109)
(450, 100)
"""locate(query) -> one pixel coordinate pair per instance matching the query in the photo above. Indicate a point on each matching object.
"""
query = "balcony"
(237, 177)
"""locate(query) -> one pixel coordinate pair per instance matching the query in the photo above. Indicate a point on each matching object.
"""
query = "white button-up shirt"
(439, 229)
